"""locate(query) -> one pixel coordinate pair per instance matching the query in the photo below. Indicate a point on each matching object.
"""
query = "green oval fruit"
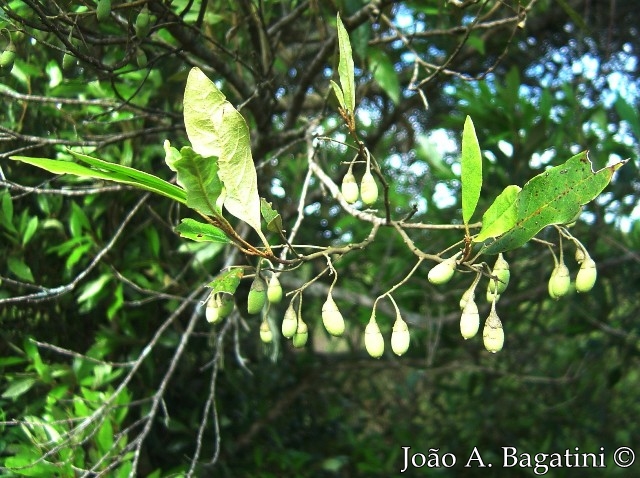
(443, 272)
(349, 187)
(368, 188)
(470, 320)
(142, 23)
(274, 290)
(7, 58)
(559, 282)
(141, 58)
(332, 318)
(289, 322)
(103, 9)
(400, 337)
(219, 306)
(373, 340)
(302, 334)
(265, 332)
(587, 275)
(501, 271)
(492, 296)
(493, 334)
(257, 295)
(68, 61)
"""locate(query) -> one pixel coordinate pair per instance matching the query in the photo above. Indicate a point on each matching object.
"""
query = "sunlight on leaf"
(471, 170)
(501, 215)
(345, 67)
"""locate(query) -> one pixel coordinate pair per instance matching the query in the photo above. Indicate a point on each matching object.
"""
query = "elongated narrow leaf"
(345, 67)
(553, 197)
(201, 231)
(199, 177)
(216, 128)
(501, 215)
(227, 281)
(107, 172)
(471, 170)
(138, 178)
(339, 94)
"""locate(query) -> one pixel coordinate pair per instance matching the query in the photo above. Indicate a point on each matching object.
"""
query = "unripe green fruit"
(349, 187)
(501, 271)
(443, 272)
(142, 26)
(219, 306)
(400, 337)
(493, 334)
(265, 332)
(587, 275)
(373, 340)
(7, 58)
(368, 188)
(141, 58)
(470, 320)
(492, 296)
(257, 295)
(332, 318)
(560, 282)
(274, 290)
(68, 61)
(302, 334)
(103, 9)
(289, 322)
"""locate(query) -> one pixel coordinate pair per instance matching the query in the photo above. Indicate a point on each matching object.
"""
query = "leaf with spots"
(553, 197)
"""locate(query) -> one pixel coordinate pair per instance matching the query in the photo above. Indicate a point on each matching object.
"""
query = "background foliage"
(99, 296)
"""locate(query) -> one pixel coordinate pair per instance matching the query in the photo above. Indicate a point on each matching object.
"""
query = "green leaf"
(384, 73)
(345, 67)
(19, 387)
(271, 216)
(7, 212)
(199, 177)
(501, 215)
(216, 128)
(227, 281)
(200, 232)
(30, 230)
(339, 94)
(93, 288)
(202, 100)
(171, 155)
(20, 269)
(108, 172)
(471, 170)
(553, 197)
